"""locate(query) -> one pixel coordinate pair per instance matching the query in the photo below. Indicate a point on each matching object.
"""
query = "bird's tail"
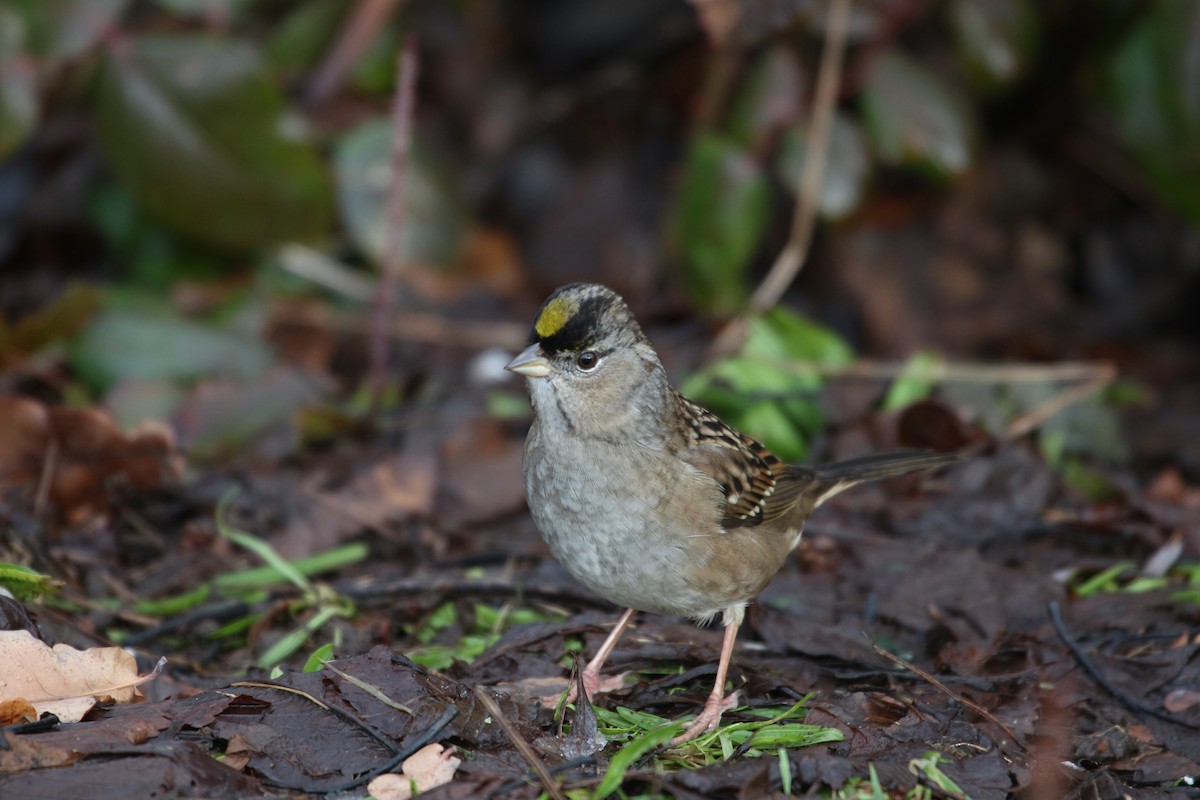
(840, 475)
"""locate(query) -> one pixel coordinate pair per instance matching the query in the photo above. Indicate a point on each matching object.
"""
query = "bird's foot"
(708, 719)
(593, 684)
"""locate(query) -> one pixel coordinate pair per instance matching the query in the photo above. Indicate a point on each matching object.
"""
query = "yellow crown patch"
(554, 316)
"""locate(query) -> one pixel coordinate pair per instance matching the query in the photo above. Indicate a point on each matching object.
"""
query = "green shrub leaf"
(192, 126)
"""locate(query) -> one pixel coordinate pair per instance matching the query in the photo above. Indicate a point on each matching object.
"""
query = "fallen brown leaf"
(430, 766)
(65, 681)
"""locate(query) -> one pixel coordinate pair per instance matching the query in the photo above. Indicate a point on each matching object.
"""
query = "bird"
(650, 500)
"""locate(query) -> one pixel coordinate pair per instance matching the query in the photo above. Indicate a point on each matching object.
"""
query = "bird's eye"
(587, 360)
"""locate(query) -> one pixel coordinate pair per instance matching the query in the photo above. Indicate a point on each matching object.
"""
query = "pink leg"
(591, 673)
(717, 702)
(592, 682)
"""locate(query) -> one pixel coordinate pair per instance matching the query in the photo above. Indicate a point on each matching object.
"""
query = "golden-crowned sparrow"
(648, 499)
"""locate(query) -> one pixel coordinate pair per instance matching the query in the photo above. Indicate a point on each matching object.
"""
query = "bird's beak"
(531, 363)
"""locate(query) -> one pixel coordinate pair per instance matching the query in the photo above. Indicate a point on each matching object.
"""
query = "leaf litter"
(913, 570)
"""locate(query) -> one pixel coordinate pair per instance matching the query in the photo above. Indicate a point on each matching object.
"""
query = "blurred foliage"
(136, 339)
(847, 166)
(1154, 97)
(997, 40)
(24, 583)
(914, 119)
(435, 220)
(722, 209)
(486, 625)
(193, 126)
(913, 384)
(641, 735)
(769, 389)
(52, 325)
(208, 154)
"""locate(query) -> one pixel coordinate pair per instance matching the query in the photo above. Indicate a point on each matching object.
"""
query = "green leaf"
(1106, 580)
(719, 216)
(768, 422)
(151, 256)
(175, 604)
(794, 735)
(193, 127)
(996, 39)
(20, 106)
(24, 583)
(793, 336)
(847, 167)
(442, 617)
(770, 99)
(769, 389)
(302, 35)
(123, 342)
(1095, 485)
(434, 218)
(757, 375)
(928, 766)
(65, 30)
(630, 754)
(913, 384)
(260, 548)
(1089, 427)
(508, 405)
(318, 656)
(218, 9)
(1154, 97)
(914, 119)
(61, 320)
(293, 640)
(263, 577)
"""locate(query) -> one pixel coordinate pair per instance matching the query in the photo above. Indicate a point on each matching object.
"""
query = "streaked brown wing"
(751, 476)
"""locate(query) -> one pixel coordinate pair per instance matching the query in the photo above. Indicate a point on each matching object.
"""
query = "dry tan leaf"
(430, 766)
(1179, 700)
(238, 752)
(65, 681)
(14, 712)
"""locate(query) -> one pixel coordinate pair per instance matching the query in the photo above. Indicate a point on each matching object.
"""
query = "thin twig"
(365, 22)
(393, 257)
(816, 151)
(548, 783)
(962, 700)
(558, 769)
(971, 372)
(398, 757)
(1060, 627)
(427, 736)
(1090, 377)
(1043, 411)
(816, 154)
(45, 479)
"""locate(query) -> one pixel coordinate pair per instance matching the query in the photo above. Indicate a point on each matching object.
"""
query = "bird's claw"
(708, 719)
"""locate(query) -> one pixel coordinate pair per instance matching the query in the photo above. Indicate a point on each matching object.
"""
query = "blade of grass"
(259, 547)
(876, 786)
(294, 640)
(312, 565)
(630, 754)
(374, 691)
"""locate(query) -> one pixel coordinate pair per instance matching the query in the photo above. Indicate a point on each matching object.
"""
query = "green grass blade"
(259, 577)
(630, 754)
